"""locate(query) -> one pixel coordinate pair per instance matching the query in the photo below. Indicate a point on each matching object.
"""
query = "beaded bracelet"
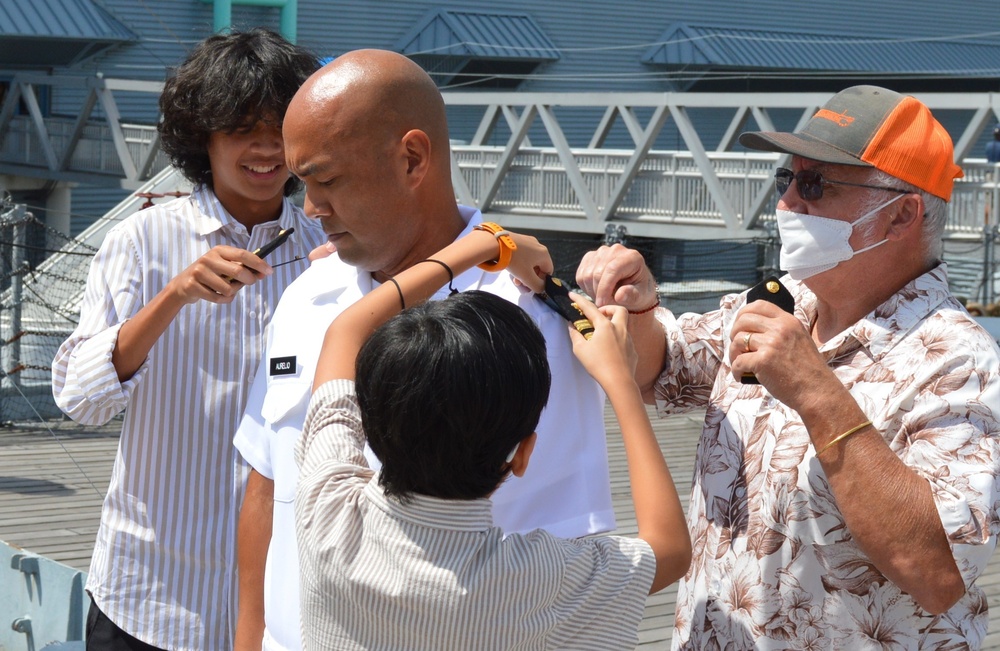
(648, 309)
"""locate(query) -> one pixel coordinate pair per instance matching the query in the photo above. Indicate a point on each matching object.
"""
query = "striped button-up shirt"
(164, 562)
(436, 574)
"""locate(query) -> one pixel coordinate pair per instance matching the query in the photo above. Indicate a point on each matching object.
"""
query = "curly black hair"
(229, 81)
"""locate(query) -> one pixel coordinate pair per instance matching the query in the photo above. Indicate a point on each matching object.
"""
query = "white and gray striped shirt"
(436, 574)
(164, 563)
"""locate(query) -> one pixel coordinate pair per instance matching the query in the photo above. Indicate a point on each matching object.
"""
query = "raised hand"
(616, 275)
(608, 355)
(530, 262)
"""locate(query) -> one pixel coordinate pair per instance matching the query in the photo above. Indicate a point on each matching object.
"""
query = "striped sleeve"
(332, 473)
(332, 429)
(605, 584)
(85, 383)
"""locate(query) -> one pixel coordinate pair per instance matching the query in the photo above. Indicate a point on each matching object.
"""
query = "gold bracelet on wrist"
(504, 240)
(843, 436)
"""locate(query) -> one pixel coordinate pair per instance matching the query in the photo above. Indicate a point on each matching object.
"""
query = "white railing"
(667, 189)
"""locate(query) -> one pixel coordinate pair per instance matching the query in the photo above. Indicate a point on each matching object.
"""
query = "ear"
(519, 464)
(908, 219)
(417, 148)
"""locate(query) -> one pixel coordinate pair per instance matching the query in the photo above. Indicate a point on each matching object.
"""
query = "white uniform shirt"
(164, 564)
(431, 573)
(565, 491)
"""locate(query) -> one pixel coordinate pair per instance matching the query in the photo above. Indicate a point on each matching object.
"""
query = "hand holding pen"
(219, 274)
(263, 251)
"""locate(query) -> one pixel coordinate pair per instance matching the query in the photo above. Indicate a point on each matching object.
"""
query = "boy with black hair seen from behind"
(448, 394)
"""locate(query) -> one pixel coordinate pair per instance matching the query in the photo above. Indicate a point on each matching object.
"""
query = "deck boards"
(51, 493)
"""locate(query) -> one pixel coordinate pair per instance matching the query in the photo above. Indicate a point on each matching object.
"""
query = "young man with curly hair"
(171, 328)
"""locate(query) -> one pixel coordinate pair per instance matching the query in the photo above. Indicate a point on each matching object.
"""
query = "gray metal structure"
(561, 46)
(516, 162)
(46, 599)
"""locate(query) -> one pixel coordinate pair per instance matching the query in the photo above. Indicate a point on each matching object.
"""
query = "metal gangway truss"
(573, 162)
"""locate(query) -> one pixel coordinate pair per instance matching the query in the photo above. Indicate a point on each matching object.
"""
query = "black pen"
(267, 248)
(275, 243)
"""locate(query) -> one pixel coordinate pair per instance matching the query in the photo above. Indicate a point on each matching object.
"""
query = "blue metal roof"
(60, 18)
(683, 44)
(44, 33)
(480, 35)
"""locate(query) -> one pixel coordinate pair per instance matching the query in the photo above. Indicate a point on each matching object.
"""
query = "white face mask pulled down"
(811, 244)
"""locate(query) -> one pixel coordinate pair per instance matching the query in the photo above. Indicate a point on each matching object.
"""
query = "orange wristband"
(506, 242)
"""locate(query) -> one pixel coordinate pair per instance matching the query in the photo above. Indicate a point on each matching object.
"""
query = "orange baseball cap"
(868, 126)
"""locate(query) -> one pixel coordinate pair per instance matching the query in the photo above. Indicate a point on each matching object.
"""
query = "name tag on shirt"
(282, 365)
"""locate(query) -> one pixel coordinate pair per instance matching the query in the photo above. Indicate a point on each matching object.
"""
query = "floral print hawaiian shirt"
(774, 565)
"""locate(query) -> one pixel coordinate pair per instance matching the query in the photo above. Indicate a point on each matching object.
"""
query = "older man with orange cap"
(845, 496)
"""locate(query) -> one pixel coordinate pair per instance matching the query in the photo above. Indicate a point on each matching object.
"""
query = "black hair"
(446, 390)
(228, 82)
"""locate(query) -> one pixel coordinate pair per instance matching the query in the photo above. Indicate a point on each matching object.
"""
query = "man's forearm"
(137, 336)
(253, 540)
(887, 507)
(650, 343)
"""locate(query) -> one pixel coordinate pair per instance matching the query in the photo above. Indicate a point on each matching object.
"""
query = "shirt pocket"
(286, 401)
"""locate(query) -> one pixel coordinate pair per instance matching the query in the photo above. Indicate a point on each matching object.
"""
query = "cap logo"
(841, 119)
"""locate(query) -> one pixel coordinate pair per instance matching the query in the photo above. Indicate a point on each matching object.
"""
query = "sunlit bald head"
(368, 135)
(373, 94)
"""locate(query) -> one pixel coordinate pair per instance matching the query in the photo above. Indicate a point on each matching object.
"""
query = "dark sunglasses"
(809, 183)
